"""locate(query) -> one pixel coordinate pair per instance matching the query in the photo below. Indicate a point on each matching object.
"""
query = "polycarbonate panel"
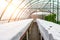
(17, 10)
(11, 8)
(38, 4)
(3, 4)
(48, 6)
(8, 12)
(43, 0)
(24, 4)
(28, 5)
(24, 13)
(22, 7)
(17, 2)
(15, 13)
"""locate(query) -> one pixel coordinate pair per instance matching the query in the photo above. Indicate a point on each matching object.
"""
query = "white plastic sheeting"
(14, 30)
(49, 30)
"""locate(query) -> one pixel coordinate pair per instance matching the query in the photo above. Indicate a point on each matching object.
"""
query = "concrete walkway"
(34, 35)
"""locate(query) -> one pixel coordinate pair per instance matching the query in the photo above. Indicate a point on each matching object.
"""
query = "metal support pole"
(41, 37)
(53, 6)
(27, 35)
(57, 10)
(50, 6)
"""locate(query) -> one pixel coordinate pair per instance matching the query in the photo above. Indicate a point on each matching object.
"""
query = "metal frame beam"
(5, 9)
(24, 6)
(57, 11)
(15, 10)
(46, 4)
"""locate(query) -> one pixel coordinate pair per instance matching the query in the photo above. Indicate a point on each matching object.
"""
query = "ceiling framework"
(32, 4)
(20, 8)
(15, 10)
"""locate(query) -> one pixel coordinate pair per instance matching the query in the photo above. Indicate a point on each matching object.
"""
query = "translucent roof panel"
(9, 11)
(3, 5)
(50, 6)
(12, 9)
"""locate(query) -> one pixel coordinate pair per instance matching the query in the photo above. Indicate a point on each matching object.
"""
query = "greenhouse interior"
(29, 19)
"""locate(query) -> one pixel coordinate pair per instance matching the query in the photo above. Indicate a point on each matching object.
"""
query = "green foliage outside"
(58, 22)
(52, 18)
